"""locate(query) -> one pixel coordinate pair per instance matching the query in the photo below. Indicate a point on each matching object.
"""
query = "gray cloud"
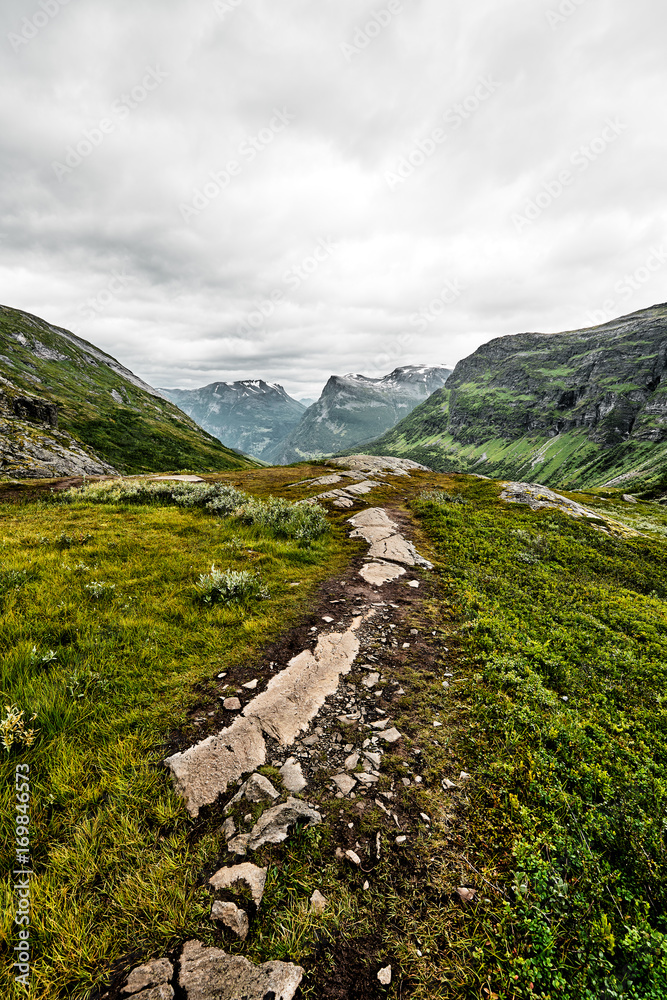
(305, 111)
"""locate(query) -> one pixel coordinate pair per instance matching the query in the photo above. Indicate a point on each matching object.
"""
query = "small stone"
(254, 878)
(402, 839)
(352, 762)
(384, 976)
(418, 779)
(406, 645)
(367, 885)
(414, 584)
(353, 857)
(232, 704)
(258, 788)
(371, 680)
(327, 619)
(251, 685)
(155, 973)
(345, 783)
(467, 895)
(292, 776)
(448, 785)
(464, 776)
(311, 741)
(414, 631)
(380, 724)
(231, 916)
(228, 828)
(318, 903)
(374, 758)
(400, 691)
(247, 818)
(406, 782)
(390, 735)
(436, 724)
(239, 845)
(427, 819)
(445, 684)
(220, 676)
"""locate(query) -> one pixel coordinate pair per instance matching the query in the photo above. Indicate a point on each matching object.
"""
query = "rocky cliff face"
(252, 416)
(353, 409)
(607, 380)
(67, 408)
(587, 407)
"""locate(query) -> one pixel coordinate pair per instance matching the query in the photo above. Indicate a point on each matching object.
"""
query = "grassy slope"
(144, 433)
(560, 830)
(564, 634)
(119, 865)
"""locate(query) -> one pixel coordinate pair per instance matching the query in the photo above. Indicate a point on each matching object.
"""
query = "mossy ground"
(560, 830)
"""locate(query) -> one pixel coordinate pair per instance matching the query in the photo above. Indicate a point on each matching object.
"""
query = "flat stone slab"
(378, 573)
(390, 735)
(374, 517)
(212, 974)
(253, 876)
(286, 708)
(377, 463)
(177, 479)
(397, 549)
(206, 770)
(294, 697)
(345, 782)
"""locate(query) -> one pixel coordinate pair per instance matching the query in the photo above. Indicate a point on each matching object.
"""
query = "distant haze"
(245, 189)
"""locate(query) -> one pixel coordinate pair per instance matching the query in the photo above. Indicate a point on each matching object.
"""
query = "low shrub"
(230, 586)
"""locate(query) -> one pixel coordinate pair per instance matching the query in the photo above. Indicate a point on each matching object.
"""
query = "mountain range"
(354, 409)
(252, 416)
(582, 408)
(67, 408)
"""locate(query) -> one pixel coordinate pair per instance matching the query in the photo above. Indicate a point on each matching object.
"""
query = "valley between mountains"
(360, 726)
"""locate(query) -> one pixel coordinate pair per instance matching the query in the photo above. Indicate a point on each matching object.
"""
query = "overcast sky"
(286, 189)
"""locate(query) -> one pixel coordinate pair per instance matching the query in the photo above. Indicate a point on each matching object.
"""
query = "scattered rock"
(371, 680)
(467, 895)
(254, 878)
(239, 845)
(251, 685)
(156, 973)
(390, 735)
(414, 584)
(231, 916)
(448, 785)
(232, 704)
(352, 762)
(257, 788)
(327, 619)
(273, 825)
(292, 776)
(228, 828)
(318, 903)
(345, 782)
(212, 974)
(464, 776)
(353, 857)
(384, 976)
(401, 840)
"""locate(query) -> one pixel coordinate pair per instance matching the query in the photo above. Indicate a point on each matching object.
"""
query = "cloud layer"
(285, 190)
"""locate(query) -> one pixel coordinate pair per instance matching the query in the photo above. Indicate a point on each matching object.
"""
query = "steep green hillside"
(67, 407)
(581, 408)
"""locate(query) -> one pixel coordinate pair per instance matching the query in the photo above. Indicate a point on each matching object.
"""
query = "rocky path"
(296, 720)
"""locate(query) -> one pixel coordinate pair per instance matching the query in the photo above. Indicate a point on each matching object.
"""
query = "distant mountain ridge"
(67, 408)
(252, 416)
(582, 408)
(354, 409)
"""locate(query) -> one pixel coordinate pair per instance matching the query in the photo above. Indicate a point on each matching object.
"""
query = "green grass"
(106, 640)
(563, 631)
